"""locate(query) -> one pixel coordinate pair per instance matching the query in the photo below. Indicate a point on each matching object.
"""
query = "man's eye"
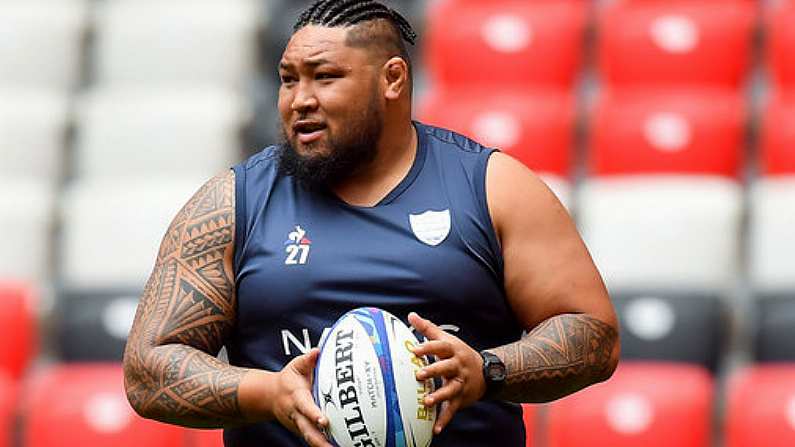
(287, 79)
(326, 76)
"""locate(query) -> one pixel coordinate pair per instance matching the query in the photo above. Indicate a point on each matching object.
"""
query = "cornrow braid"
(334, 13)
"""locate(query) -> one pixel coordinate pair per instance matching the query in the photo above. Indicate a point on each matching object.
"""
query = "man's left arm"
(554, 290)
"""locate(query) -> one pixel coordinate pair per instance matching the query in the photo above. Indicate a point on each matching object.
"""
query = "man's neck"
(397, 149)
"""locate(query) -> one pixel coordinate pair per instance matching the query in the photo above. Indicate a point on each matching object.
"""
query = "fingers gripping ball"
(365, 383)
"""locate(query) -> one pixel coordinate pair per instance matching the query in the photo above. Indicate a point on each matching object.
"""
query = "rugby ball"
(365, 383)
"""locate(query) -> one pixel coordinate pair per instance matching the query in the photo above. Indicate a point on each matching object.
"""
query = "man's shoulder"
(451, 141)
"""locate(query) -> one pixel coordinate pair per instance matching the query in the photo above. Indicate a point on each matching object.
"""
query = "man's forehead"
(315, 42)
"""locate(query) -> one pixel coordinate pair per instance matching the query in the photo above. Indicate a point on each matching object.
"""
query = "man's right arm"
(186, 312)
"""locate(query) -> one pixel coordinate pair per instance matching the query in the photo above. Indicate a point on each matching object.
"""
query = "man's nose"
(305, 98)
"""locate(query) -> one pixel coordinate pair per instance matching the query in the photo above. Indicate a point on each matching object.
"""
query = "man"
(360, 206)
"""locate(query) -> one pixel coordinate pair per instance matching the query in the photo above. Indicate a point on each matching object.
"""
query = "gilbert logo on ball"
(365, 383)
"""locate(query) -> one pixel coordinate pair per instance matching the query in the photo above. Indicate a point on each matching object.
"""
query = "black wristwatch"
(494, 374)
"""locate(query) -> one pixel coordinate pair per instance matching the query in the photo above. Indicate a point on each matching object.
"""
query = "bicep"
(548, 270)
(189, 298)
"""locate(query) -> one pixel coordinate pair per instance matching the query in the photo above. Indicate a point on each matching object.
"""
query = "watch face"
(496, 371)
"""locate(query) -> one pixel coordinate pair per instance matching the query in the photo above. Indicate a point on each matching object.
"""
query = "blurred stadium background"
(667, 127)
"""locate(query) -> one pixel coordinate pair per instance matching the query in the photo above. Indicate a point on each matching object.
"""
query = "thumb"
(305, 364)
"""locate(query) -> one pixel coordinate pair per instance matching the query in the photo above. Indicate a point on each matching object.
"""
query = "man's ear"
(396, 75)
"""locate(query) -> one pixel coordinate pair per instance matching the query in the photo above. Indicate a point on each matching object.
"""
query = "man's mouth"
(308, 131)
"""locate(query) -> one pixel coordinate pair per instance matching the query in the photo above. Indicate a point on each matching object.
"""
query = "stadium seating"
(150, 41)
(675, 327)
(535, 127)
(17, 328)
(205, 438)
(529, 417)
(644, 404)
(8, 401)
(665, 232)
(70, 405)
(25, 222)
(663, 131)
(41, 43)
(166, 132)
(505, 42)
(92, 325)
(761, 407)
(112, 231)
(32, 129)
(676, 43)
(774, 327)
(781, 44)
(770, 269)
(771, 220)
(777, 145)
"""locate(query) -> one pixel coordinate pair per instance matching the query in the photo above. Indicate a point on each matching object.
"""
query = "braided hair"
(334, 13)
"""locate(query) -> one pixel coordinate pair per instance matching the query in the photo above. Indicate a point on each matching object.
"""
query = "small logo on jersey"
(431, 227)
(297, 247)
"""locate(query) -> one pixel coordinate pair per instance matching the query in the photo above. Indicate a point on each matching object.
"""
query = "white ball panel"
(417, 419)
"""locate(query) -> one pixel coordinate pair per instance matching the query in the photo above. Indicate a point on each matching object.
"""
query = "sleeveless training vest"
(302, 259)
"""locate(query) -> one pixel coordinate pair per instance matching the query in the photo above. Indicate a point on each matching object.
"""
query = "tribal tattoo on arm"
(563, 354)
(186, 312)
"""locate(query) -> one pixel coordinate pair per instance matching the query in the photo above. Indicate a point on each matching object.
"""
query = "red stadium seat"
(85, 405)
(506, 42)
(761, 407)
(649, 405)
(680, 132)
(205, 438)
(8, 403)
(781, 46)
(778, 137)
(17, 327)
(529, 416)
(536, 128)
(676, 42)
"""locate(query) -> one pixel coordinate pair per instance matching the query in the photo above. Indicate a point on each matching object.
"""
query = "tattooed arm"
(186, 314)
(563, 354)
(553, 289)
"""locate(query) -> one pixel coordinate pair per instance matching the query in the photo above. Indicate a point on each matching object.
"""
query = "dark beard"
(353, 149)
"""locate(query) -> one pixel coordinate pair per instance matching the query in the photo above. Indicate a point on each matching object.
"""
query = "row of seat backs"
(643, 231)
(638, 43)
(134, 41)
(195, 130)
(120, 132)
(83, 404)
(91, 325)
(650, 404)
(687, 328)
(660, 405)
(629, 132)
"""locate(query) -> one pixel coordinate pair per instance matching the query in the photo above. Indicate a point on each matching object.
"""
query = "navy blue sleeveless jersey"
(302, 259)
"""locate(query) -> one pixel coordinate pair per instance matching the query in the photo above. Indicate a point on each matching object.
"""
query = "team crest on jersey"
(431, 227)
(297, 247)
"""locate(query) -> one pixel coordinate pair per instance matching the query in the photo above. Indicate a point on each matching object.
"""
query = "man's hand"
(293, 406)
(459, 366)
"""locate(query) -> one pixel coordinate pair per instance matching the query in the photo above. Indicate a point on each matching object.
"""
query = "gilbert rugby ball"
(365, 384)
